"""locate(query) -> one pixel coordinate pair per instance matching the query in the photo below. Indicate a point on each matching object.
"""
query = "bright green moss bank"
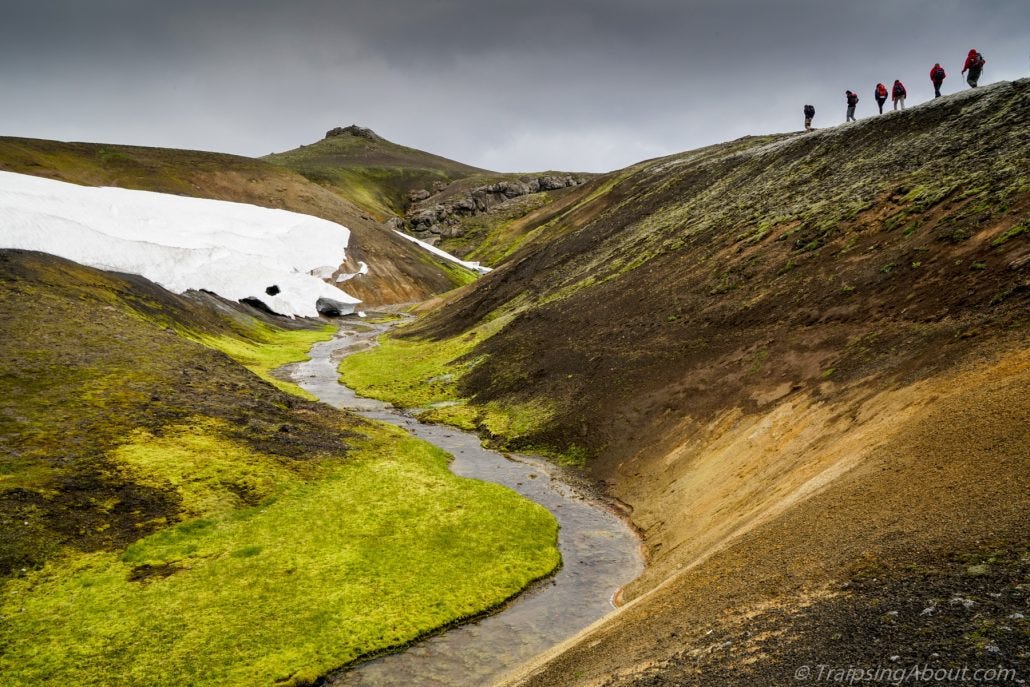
(168, 518)
(425, 374)
(371, 554)
(266, 348)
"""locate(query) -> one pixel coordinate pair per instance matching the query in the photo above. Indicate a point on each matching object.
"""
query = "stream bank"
(600, 552)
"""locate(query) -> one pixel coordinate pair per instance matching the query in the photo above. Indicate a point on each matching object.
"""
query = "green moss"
(414, 373)
(210, 474)
(758, 361)
(459, 276)
(182, 522)
(515, 421)
(265, 348)
(458, 414)
(377, 551)
(425, 374)
(1011, 233)
(788, 267)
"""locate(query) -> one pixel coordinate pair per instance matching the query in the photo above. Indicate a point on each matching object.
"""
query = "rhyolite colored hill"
(802, 361)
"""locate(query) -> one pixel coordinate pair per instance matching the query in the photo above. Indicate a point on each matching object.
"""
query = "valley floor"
(170, 517)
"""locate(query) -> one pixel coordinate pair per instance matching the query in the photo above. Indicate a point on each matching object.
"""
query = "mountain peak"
(353, 130)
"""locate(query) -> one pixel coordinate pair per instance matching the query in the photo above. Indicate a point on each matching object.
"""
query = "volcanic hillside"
(802, 362)
(372, 172)
(471, 212)
(398, 271)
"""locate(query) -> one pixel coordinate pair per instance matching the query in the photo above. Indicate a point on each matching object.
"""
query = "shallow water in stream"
(600, 553)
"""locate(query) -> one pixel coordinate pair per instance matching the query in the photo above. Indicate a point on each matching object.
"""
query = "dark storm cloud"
(581, 84)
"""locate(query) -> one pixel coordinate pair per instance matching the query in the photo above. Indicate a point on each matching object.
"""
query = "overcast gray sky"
(584, 85)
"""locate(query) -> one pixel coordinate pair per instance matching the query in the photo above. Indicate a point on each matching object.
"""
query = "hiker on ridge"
(974, 65)
(809, 113)
(880, 95)
(852, 100)
(937, 76)
(899, 93)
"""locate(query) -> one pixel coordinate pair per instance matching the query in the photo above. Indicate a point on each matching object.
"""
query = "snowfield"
(235, 250)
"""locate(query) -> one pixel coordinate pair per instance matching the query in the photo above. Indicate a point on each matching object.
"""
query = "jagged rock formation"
(353, 130)
(426, 220)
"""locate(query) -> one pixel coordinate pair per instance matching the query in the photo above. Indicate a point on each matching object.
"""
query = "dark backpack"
(853, 99)
(938, 74)
(809, 111)
(979, 61)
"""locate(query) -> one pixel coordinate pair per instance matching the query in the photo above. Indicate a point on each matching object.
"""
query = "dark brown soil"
(942, 613)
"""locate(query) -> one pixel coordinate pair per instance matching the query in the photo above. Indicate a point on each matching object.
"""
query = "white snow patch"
(475, 266)
(362, 269)
(323, 272)
(233, 249)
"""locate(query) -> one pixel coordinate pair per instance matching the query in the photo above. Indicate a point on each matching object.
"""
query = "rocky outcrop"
(442, 219)
(353, 130)
(333, 308)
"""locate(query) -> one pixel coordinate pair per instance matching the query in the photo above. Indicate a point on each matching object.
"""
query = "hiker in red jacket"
(937, 76)
(974, 65)
(880, 95)
(898, 92)
(852, 100)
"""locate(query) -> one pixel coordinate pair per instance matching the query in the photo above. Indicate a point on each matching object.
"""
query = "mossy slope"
(262, 349)
(684, 285)
(170, 518)
(315, 575)
(425, 375)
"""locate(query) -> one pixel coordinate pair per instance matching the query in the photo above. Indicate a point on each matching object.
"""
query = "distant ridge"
(370, 171)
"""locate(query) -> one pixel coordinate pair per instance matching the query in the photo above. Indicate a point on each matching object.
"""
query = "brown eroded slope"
(801, 537)
(398, 271)
(802, 362)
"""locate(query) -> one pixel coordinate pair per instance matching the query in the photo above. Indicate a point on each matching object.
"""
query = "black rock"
(333, 308)
(353, 130)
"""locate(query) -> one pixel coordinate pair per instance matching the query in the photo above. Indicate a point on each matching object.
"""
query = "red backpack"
(881, 91)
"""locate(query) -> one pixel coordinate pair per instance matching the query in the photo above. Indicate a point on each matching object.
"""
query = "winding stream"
(600, 553)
